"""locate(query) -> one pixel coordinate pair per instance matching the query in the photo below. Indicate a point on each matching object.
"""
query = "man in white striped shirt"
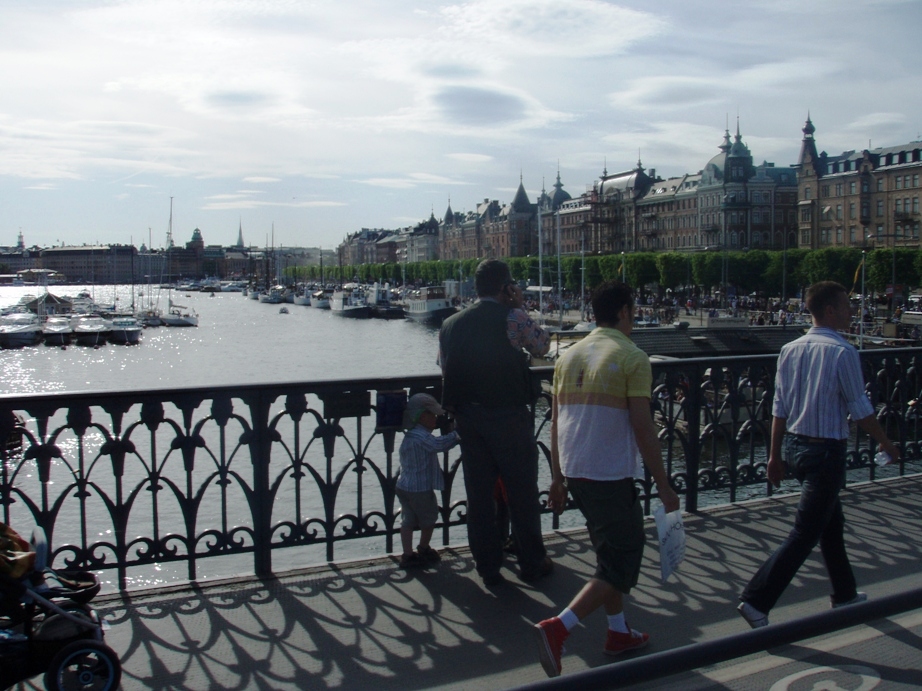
(817, 385)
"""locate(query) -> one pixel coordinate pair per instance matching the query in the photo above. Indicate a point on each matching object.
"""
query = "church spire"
(240, 234)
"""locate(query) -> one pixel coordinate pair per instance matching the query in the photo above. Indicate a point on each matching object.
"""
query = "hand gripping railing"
(670, 662)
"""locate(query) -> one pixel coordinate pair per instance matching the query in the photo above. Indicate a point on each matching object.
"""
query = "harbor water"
(237, 341)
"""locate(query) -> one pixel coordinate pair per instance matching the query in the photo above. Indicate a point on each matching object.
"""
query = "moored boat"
(90, 330)
(179, 316)
(126, 330)
(321, 299)
(350, 302)
(429, 305)
(57, 331)
(18, 329)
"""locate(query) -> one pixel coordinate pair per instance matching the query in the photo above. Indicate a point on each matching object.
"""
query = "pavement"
(370, 625)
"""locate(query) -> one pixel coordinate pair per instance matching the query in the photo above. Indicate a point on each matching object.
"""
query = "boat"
(302, 297)
(18, 329)
(57, 331)
(273, 296)
(382, 307)
(90, 330)
(321, 299)
(126, 330)
(350, 302)
(429, 305)
(179, 316)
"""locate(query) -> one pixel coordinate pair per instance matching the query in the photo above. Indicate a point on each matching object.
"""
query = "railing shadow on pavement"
(132, 481)
(371, 625)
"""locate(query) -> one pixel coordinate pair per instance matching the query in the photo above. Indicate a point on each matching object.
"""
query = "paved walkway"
(369, 625)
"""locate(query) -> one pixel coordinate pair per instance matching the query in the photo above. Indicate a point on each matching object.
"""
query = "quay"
(366, 624)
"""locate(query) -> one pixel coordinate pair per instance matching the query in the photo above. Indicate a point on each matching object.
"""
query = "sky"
(304, 121)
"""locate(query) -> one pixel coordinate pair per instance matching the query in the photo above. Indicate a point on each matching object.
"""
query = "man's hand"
(775, 470)
(891, 450)
(669, 498)
(557, 496)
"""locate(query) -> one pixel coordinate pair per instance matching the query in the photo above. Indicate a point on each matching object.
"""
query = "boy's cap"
(418, 403)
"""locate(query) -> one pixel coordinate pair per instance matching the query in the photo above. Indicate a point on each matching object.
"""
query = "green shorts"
(614, 518)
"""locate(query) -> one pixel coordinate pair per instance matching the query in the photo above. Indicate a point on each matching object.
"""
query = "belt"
(815, 440)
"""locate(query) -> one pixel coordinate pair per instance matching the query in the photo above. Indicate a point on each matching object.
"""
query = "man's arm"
(871, 425)
(775, 470)
(557, 495)
(647, 442)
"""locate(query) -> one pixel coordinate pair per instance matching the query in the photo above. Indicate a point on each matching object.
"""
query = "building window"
(851, 234)
(880, 184)
(838, 189)
(852, 187)
(838, 212)
(915, 205)
(825, 190)
(915, 180)
(880, 233)
(880, 207)
(806, 214)
(865, 185)
(807, 193)
(838, 236)
(906, 182)
(805, 237)
(899, 206)
(851, 210)
(899, 182)
(865, 209)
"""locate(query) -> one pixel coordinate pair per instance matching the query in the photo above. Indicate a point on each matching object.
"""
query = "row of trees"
(704, 272)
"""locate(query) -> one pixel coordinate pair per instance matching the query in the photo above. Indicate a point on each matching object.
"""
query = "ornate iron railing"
(140, 479)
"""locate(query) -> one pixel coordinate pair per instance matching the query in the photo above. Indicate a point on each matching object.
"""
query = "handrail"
(126, 479)
(698, 655)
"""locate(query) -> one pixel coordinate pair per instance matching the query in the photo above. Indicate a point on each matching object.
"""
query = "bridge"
(183, 488)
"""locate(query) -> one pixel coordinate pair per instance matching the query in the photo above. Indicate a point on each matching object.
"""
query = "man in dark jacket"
(487, 385)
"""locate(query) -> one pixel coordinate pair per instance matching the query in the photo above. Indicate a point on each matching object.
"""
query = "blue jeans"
(819, 466)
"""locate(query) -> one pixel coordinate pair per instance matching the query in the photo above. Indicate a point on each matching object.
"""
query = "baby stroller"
(46, 625)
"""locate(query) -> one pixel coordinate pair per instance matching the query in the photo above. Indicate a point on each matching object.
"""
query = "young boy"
(420, 476)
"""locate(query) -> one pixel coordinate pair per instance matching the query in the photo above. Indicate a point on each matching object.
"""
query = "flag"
(857, 274)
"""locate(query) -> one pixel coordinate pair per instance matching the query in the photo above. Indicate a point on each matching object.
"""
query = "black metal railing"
(130, 480)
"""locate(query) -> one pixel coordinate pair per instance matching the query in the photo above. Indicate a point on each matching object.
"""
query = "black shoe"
(412, 561)
(546, 568)
(429, 555)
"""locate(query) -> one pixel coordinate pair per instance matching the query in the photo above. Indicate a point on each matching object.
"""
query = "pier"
(267, 513)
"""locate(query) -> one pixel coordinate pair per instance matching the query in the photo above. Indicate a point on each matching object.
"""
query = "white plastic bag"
(671, 533)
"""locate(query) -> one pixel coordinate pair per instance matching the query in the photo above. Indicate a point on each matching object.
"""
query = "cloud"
(258, 179)
(470, 158)
(254, 204)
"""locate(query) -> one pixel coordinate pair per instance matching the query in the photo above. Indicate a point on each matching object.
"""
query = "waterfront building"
(859, 198)
(91, 263)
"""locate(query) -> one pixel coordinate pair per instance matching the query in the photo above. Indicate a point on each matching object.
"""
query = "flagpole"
(863, 298)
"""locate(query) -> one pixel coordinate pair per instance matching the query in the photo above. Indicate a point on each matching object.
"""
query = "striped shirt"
(419, 462)
(818, 383)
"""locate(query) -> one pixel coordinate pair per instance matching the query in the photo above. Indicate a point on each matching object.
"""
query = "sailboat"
(321, 298)
(176, 315)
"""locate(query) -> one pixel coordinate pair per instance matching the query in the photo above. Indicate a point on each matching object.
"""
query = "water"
(238, 341)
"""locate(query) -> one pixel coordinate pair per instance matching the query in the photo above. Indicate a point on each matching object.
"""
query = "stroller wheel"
(86, 664)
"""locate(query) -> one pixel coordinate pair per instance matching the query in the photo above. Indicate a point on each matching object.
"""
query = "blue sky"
(319, 118)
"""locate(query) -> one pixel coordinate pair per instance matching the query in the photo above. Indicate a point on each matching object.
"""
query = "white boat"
(302, 297)
(126, 330)
(90, 330)
(350, 303)
(429, 305)
(179, 316)
(57, 331)
(18, 329)
(321, 299)
(149, 317)
(273, 296)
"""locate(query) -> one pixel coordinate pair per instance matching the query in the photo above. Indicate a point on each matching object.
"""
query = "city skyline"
(320, 120)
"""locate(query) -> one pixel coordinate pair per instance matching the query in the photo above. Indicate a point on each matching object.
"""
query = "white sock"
(568, 618)
(616, 623)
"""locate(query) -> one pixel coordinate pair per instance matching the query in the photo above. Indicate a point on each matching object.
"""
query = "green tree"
(674, 269)
(641, 270)
(707, 270)
(882, 263)
(832, 264)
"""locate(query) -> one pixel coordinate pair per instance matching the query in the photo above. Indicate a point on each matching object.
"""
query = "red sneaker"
(617, 642)
(551, 633)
